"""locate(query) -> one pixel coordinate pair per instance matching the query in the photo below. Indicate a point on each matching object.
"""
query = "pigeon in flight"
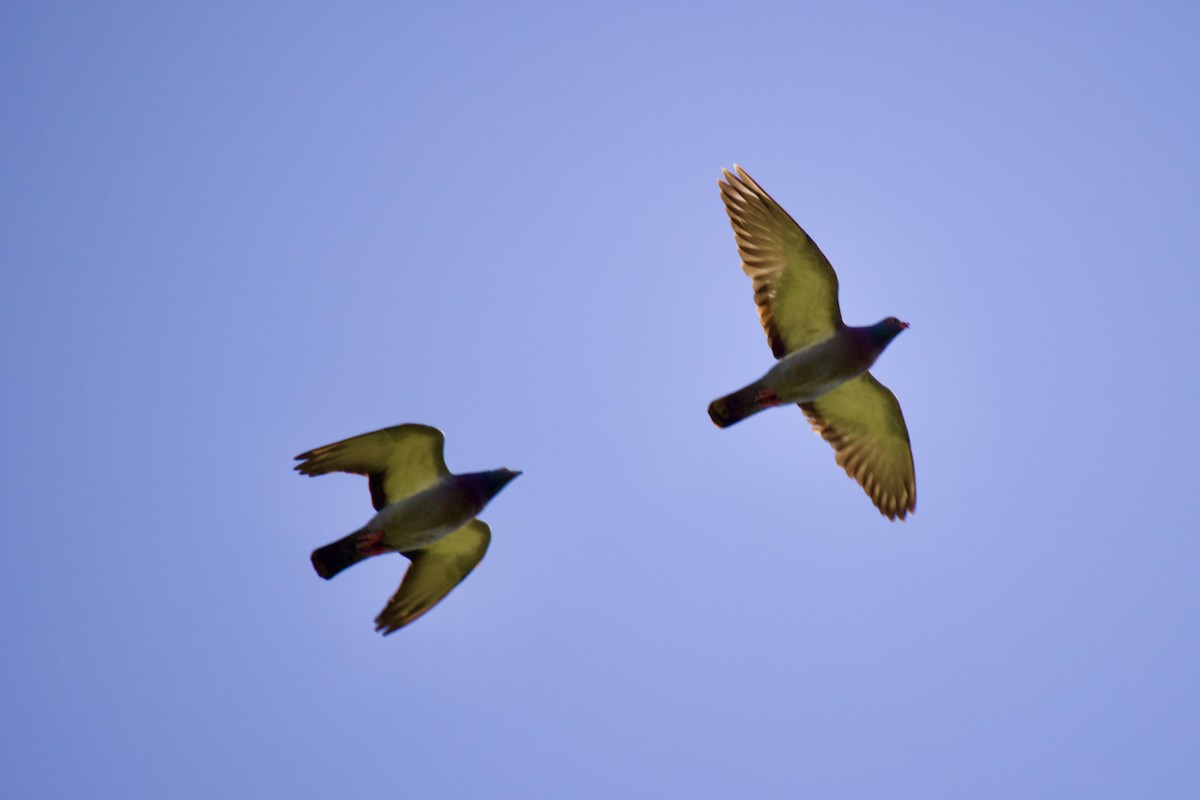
(425, 513)
(823, 362)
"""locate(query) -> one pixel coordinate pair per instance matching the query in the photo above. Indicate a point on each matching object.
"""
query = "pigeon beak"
(903, 326)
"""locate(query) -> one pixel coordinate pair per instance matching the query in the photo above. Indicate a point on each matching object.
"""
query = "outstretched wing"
(398, 461)
(795, 287)
(862, 420)
(435, 570)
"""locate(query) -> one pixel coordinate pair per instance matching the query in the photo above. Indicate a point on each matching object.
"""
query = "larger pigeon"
(823, 362)
(424, 512)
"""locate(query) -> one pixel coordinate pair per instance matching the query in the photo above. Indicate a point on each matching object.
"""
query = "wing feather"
(398, 461)
(435, 570)
(862, 420)
(795, 287)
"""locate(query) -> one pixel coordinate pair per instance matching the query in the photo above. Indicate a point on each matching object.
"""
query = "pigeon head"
(492, 481)
(884, 331)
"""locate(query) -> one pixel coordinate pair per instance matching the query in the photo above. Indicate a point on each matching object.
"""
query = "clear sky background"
(231, 232)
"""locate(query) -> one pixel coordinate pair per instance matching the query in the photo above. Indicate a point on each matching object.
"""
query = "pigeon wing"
(862, 420)
(795, 287)
(435, 570)
(398, 461)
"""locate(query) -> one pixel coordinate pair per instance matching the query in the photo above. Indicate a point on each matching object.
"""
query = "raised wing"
(398, 461)
(795, 287)
(862, 420)
(434, 572)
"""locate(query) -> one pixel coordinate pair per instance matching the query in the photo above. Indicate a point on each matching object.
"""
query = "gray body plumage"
(805, 375)
(417, 521)
(802, 376)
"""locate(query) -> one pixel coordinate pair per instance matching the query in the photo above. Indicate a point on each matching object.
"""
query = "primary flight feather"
(823, 362)
(423, 511)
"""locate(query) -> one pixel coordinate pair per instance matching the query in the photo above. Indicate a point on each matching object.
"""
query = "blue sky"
(232, 232)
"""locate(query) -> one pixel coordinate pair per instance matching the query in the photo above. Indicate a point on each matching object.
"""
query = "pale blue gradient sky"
(231, 232)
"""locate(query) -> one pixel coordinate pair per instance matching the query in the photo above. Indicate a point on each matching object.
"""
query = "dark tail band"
(735, 407)
(337, 556)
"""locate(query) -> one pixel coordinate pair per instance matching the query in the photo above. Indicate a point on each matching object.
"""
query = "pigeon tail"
(743, 403)
(346, 552)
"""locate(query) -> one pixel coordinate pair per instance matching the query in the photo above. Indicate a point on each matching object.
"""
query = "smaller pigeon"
(425, 512)
(823, 362)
